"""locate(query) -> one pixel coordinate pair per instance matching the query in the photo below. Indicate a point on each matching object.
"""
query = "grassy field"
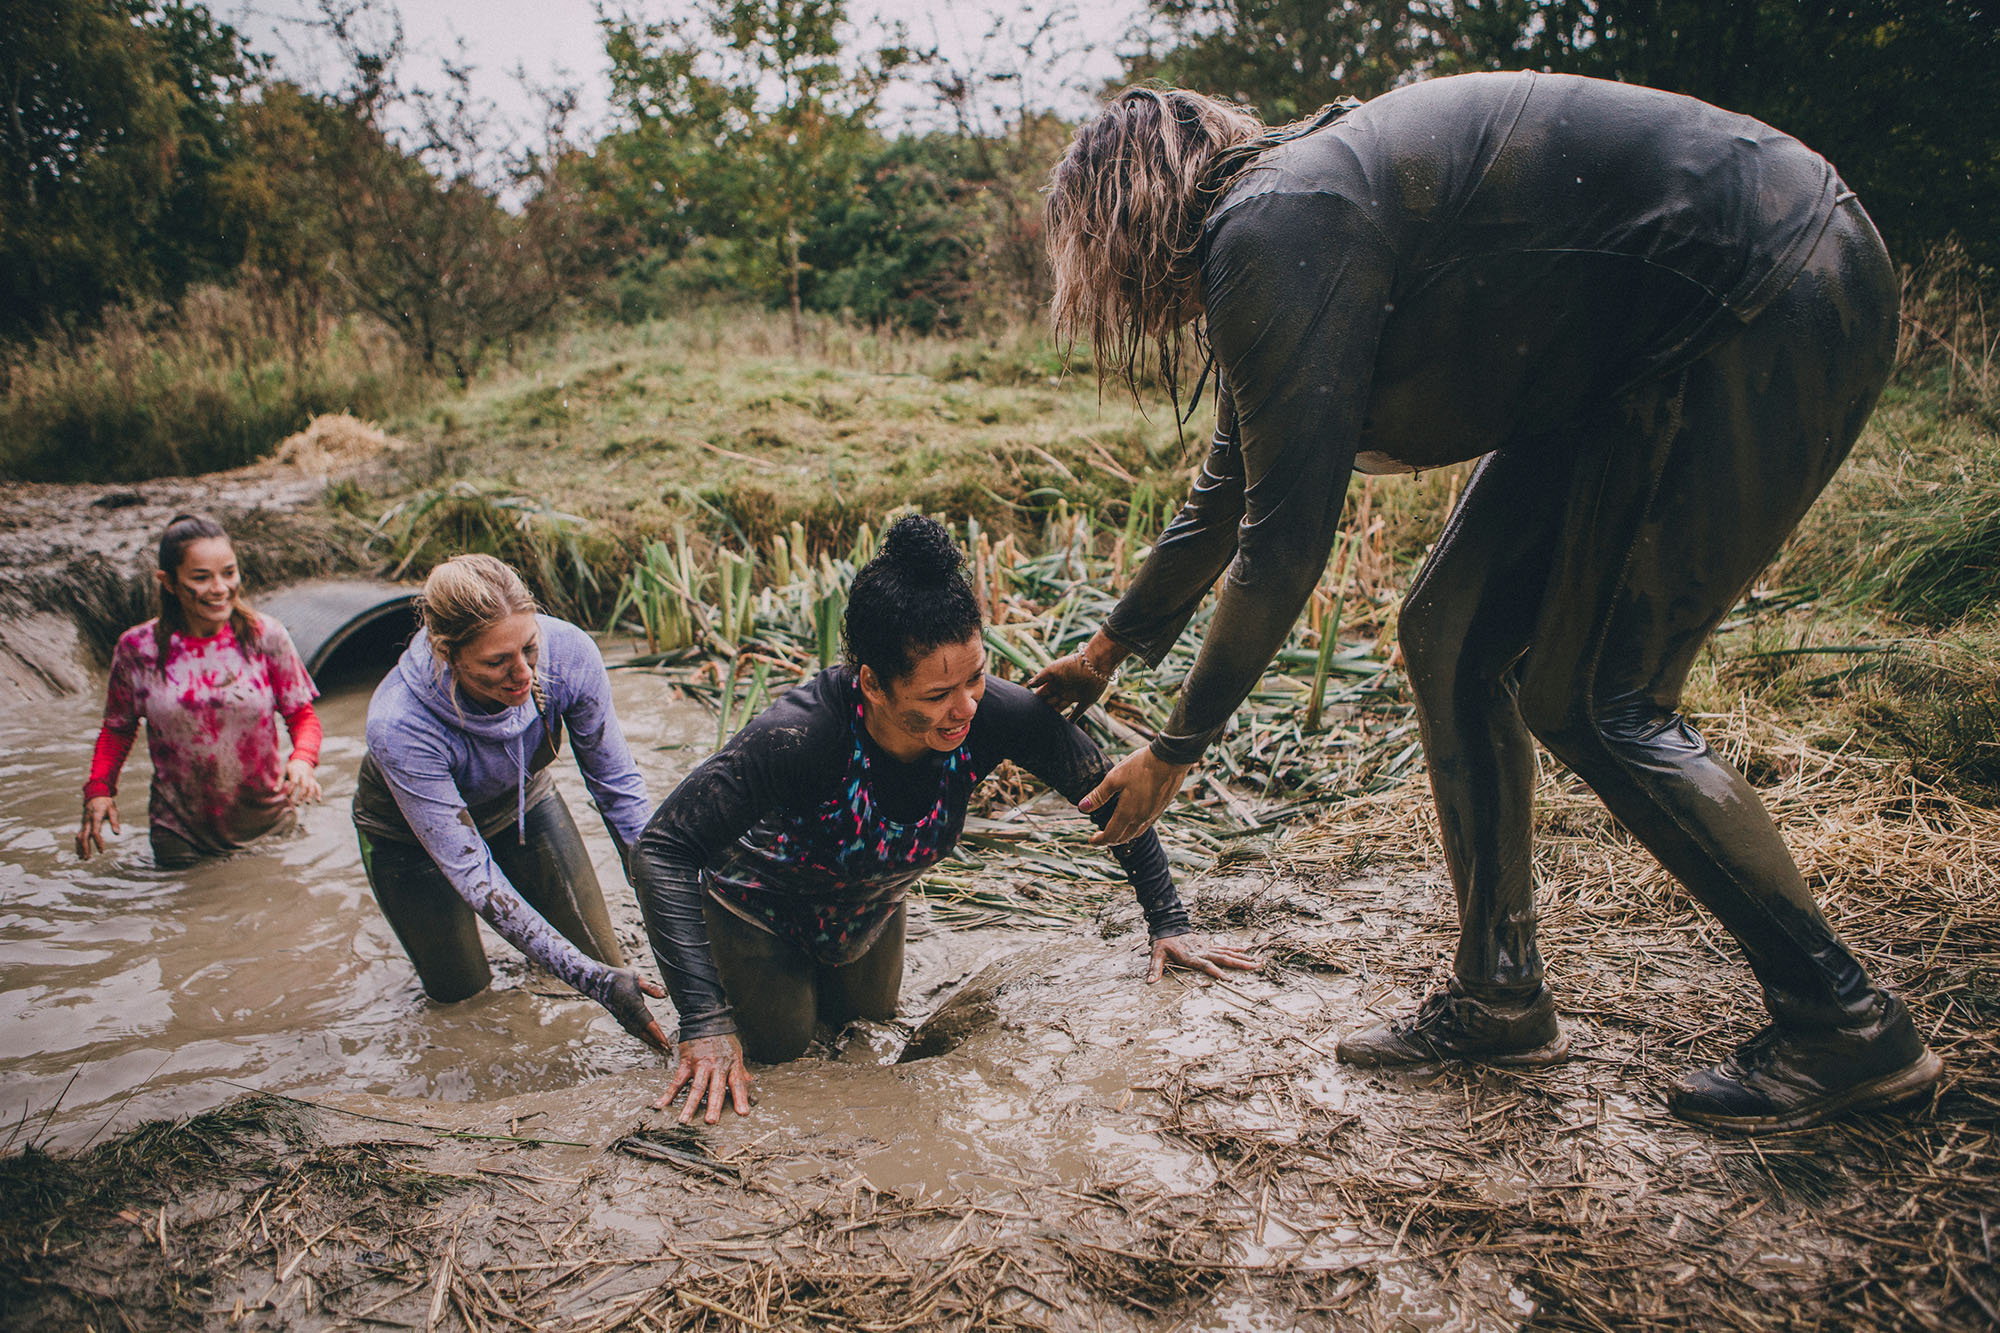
(1879, 624)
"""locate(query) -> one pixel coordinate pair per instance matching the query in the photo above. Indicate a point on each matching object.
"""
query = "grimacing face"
(205, 584)
(498, 665)
(932, 707)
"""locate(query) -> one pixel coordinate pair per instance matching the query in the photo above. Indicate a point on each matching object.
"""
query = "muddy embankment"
(76, 561)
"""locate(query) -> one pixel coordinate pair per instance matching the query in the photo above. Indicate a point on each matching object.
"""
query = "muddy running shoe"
(1778, 1080)
(1452, 1025)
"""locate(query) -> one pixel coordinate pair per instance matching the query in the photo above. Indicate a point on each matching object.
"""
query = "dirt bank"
(76, 560)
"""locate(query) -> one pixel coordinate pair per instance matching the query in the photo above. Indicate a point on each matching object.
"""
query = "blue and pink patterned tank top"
(828, 878)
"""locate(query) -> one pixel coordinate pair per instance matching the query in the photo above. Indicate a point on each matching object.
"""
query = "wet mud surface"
(1067, 1148)
(1076, 1149)
(76, 560)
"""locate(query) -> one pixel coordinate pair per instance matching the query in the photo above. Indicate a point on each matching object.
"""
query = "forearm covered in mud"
(1054, 749)
(1296, 289)
(1190, 554)
(666, 875)
(420, 780)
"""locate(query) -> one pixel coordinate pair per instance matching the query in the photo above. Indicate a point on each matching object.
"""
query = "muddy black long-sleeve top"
(1452, 267)
(804, 771)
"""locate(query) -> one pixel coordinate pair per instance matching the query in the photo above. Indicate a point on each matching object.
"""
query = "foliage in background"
(1288, 58)
(742, 123)
(213, 382)
(1893, 92)
(115, 122)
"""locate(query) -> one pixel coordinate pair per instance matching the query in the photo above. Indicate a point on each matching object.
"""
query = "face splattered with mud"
(932, 707)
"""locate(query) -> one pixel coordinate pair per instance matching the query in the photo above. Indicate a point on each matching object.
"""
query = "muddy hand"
(1191, 952)
(627, 1003)
(97, 812)
(1068, 685)
(712, 1071)
(1143, 785)
(301, 785)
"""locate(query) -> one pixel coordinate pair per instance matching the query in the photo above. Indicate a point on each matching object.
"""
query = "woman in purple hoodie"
(458, 813)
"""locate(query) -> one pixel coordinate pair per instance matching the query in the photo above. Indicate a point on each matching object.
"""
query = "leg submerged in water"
(778, 993)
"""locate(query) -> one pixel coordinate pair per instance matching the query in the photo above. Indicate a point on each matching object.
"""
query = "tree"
(749, 139)
(1897, 93)
(1288, 58)
(113, 124)
(454, 240)
(897, 249)
(998, 97)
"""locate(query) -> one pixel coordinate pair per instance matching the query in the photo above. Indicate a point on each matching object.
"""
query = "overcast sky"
(556, 41)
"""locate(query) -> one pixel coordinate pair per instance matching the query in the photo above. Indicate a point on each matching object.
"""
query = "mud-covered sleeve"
(602, 756)
(417, 768)
(788, 749)
(1015, 724)
(1296, 287)
(1189, 555)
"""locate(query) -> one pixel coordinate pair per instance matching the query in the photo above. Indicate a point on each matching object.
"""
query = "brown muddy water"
(132, 993)
(1088, 1152)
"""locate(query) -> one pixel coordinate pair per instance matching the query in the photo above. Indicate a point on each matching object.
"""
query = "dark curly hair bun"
(921, 549)
(910, 599)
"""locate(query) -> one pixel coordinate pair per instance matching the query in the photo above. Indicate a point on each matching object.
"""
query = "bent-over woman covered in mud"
(774, 878)
(456, 810)
(1661, 327)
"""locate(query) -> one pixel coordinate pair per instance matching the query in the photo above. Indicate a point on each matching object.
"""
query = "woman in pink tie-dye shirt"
(210, 678)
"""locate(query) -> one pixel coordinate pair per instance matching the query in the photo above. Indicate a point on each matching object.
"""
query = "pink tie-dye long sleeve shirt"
(211, 711)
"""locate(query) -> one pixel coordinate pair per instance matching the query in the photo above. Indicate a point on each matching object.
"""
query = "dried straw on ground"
(1310, 1197)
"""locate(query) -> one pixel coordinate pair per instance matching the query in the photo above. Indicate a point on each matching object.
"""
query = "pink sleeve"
(121, 699)
(106, 760)
(291, 687)
(304, 726)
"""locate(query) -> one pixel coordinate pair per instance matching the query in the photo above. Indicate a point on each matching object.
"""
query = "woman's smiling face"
(498, 667)
(205, 585)
(932, 707)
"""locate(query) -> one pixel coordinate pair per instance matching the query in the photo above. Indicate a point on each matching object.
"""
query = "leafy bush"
(214, 383)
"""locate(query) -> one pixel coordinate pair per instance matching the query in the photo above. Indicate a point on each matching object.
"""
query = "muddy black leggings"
(1573, 587)
(551, 870)
(778, 992)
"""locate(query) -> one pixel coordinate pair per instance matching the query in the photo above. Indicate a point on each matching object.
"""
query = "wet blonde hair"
(1125, 208)
(466, 596)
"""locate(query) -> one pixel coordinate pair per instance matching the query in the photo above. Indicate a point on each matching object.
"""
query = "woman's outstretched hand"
(97, 812)
(1144, 785)
(712, 1070)
(627, 1003)
(1190, 952)
(1068, 685)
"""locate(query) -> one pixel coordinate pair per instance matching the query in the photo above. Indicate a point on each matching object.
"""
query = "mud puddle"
(1081, 1151)
(133, 993)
